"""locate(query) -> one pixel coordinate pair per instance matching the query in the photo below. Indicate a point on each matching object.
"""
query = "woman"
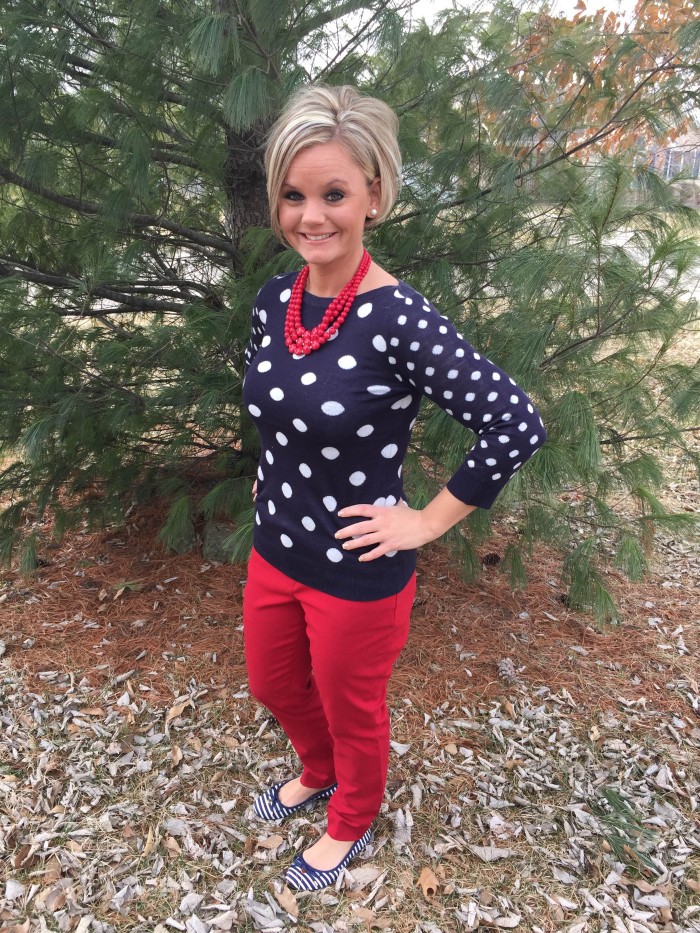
(339, 358)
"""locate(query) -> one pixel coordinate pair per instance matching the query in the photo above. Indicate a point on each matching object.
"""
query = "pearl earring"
(374, 212)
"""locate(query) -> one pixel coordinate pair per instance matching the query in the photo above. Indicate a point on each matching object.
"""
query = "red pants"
(321, 665)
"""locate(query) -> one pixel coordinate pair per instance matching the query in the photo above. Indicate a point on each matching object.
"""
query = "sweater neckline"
(361, 296)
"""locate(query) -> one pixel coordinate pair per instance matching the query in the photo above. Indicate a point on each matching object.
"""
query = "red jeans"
(321, 665)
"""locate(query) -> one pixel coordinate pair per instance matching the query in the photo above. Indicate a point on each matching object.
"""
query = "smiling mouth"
(317, 239)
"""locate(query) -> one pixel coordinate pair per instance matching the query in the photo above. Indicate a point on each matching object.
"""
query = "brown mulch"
(112, 602)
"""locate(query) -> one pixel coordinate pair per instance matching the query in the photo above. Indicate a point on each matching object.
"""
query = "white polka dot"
(379, 343)
(271, 507)
(410, 366)
(514, 453)
(299, 425)
(257, 519)
(422, 324)
(512, 381)
(391, 553)
(281, 439)
(415, 346)
(467, 416)
(334, 554)
(330, 453)
(453, 373)
(287, 490)
(430, 371)
(261, 475)
(496, 476)
(522, 426)
(286, 541)
(394, 341)
(357, 478)
(286, 294)
(447, 394)
(491, 462)
(397, 294)
(391, 500)
(492, 396)
(437, 349)
(503, 439)
(266, 341)
(514, 399)
(402, 319)
(476, 375)
(469, 397)
(378, 390)
(262, 315)
(389, 451)
(298, 356)
(347, 362)
(365, 430)
(330, 503)
(506, 417)
(265, 366)
(332, 408)
(381, 501)
(470, 463)
(530, 409)
(409, 301)
(308, 379)
(483, 444)
(308, 523)
(449, 411)
(254, 411)
(428, 390)
(268, 456)
(459, 351)
(476, 356)
(517, 465)
(399, 471)
(402, 403)
(364, 310)
(392, 362)
(305, 470)
(534, 439)
(276, 394)
(496, 377)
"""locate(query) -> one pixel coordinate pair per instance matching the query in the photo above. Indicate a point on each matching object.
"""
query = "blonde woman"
(339, 358)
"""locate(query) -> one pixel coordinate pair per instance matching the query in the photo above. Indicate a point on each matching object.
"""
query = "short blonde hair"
(319, 113)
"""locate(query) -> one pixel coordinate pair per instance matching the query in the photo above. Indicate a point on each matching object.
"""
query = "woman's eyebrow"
(333, 181)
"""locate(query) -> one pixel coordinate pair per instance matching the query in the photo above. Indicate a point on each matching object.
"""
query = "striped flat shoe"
(302, 877)
(268, 806)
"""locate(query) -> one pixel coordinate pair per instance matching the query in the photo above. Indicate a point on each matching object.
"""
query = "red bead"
(296, 337)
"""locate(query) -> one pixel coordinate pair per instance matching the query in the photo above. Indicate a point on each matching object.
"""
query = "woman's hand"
(390, 528)
(399, 527)
(255, 490)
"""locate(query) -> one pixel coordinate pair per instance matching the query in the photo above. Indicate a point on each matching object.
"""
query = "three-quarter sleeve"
(434, 358)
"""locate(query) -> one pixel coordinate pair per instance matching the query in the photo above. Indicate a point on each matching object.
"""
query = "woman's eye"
(292, 196)
(335, 196)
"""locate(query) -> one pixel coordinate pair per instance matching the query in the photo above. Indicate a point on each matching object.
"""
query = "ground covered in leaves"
(544, 774)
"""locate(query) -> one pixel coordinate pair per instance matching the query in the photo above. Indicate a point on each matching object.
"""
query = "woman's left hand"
(390, 528)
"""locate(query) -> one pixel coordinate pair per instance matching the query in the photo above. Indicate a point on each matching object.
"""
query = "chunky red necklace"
(301, 341)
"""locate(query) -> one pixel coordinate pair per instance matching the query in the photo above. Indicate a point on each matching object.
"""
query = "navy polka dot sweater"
(335, 425)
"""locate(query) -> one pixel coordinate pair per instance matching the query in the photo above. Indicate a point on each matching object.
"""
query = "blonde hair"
(365, 126)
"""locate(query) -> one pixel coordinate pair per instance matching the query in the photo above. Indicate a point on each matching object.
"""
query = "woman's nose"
(314, 211)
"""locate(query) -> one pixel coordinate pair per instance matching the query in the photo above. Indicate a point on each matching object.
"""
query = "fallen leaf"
(513, 763)
(287, 901)
(176, 755)
(52, 871)
(271, 842)
(491, 853)
(428, 883)
(172, 846)
(177, 710)
(149, 845)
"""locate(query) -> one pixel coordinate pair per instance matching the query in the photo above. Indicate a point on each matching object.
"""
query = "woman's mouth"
(317, 238)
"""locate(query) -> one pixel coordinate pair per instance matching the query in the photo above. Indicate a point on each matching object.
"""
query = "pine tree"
(134, 235)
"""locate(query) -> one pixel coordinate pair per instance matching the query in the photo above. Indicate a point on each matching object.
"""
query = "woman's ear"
(375, 197)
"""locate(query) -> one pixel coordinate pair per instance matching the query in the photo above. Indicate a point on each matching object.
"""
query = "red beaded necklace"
(301, 341)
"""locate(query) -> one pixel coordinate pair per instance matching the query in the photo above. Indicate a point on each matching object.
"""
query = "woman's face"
(324, 202)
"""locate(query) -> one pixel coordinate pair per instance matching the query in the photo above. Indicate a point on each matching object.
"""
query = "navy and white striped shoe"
(268, 806)
(302, 877)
